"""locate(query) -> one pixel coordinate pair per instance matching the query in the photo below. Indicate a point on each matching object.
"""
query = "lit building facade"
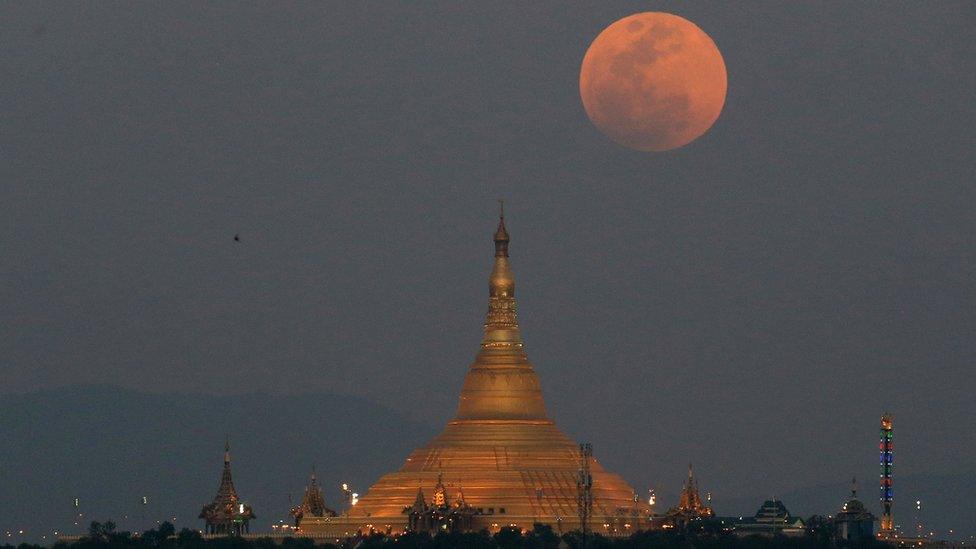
(772, 519)
(854, 522)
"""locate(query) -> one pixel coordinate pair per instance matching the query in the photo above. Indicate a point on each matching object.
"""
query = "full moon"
(653, 81)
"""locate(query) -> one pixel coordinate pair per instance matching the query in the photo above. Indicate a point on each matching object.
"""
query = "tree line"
(105, 536)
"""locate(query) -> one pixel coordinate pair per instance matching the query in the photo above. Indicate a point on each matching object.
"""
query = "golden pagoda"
(517, 468)
(226, 514)
(313, 503)
(690, 507)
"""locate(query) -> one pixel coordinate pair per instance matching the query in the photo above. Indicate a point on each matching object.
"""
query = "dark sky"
(751, 302)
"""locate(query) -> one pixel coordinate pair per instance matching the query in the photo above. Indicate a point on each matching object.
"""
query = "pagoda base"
(342, 527)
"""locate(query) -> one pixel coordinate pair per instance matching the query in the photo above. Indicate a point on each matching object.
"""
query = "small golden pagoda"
(515, 465)
(313, 502)
(690, 507)
(226, 514)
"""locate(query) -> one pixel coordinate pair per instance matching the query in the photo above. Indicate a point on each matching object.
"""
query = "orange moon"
(653, 81)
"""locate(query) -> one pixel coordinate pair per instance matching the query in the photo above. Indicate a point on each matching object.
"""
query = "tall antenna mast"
(584, 490)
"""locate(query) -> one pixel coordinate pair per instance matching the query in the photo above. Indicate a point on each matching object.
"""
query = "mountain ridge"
(110, 446)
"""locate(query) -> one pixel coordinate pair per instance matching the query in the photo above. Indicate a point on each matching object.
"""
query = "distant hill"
(110, 446)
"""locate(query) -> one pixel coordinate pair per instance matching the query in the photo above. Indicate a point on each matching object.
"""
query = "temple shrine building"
(226, 514)
(313, 502)
(690, 506)
(854, 522)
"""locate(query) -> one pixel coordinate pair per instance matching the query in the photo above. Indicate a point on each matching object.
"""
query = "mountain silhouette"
(109, 447)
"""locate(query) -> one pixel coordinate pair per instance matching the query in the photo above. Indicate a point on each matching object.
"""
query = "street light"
(350, 497)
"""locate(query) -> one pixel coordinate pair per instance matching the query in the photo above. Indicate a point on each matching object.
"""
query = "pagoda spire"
(501, 322)
(459, 500)
(440, 492)
(226, 514)
(313, 502)
(226, 492)
(690, 505)
(501, 235)
(501, 383)
(420, 502)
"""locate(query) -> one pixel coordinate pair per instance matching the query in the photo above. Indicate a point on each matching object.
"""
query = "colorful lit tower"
(887, 523)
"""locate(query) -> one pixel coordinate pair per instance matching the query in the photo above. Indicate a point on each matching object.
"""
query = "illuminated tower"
(584, 489)
(887, 524)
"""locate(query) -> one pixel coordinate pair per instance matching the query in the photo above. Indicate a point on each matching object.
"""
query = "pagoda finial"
(502, 282)
(854, 488)
(226, 449)
(501, 235)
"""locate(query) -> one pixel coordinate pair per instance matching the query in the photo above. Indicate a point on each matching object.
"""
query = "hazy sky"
(751, 302)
